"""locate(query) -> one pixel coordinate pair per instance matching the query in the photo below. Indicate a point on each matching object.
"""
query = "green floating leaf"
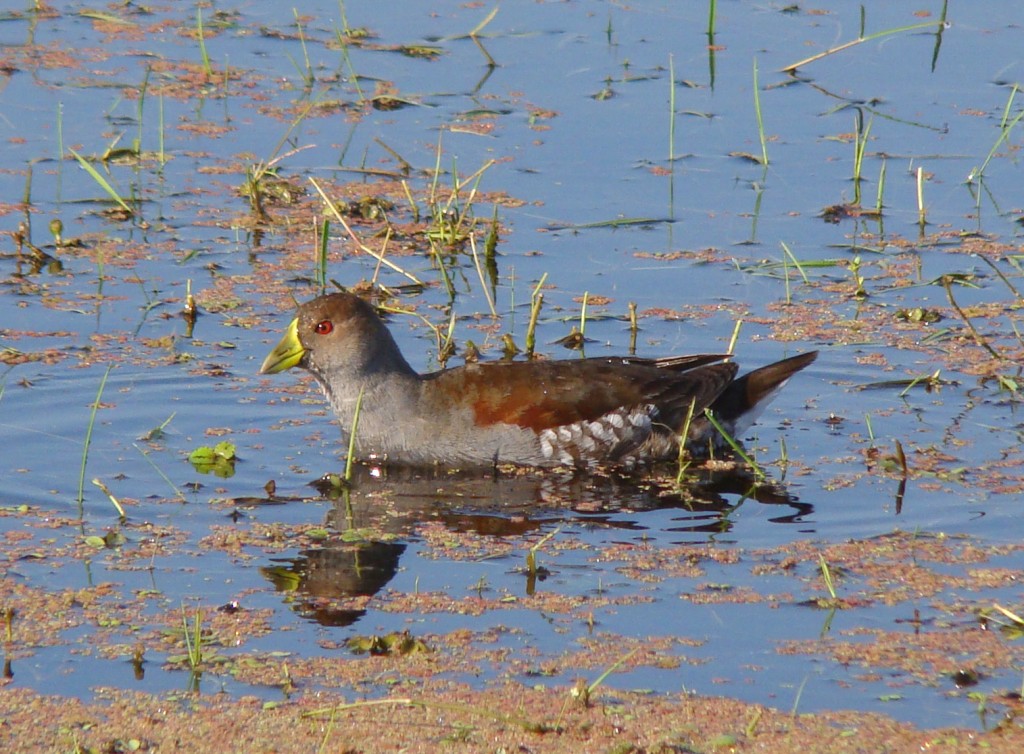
(218, 460)
(396, 643)
(420, 51)
(202, 454)
(114, 538)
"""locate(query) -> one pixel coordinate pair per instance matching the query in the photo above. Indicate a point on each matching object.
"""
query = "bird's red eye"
(324, 328)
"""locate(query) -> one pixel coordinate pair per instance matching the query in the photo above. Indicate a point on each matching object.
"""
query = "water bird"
(620, 411)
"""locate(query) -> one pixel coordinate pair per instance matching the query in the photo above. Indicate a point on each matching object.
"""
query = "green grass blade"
(103, 184)
(88, 435)
(352, 437)
(758, 472)
(860, 40)
(760, 119)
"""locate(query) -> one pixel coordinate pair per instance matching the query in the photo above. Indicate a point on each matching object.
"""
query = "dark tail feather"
(745, 398)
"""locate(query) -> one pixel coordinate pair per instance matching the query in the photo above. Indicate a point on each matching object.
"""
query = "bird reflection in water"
(331, 584)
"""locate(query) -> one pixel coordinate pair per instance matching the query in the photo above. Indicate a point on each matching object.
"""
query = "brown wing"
(540, 395)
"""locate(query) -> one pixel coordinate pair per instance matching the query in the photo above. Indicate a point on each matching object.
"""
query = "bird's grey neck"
(377, 408)
(394, 378)
(380, 394)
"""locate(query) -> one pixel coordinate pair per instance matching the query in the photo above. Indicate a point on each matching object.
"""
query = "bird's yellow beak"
(287, 353)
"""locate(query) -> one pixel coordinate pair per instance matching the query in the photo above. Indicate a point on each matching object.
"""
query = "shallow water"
(564, 158)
